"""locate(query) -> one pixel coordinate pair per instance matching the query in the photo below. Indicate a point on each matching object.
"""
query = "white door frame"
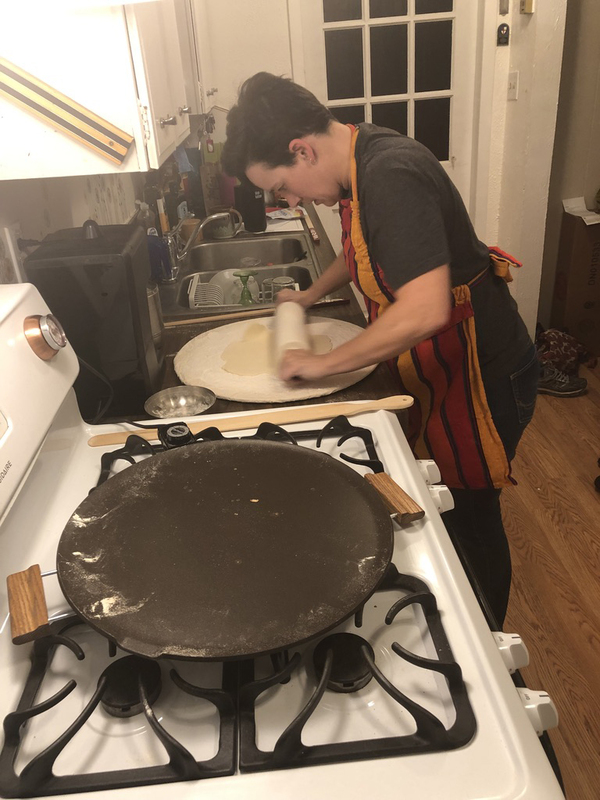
(482, 89)
(485, 66)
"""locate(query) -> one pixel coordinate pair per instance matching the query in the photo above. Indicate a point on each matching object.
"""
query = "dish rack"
(225, 289)
(204, 294)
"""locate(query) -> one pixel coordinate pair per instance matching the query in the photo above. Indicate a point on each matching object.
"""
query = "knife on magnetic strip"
(72, 118)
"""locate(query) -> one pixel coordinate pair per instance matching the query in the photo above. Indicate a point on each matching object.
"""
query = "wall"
(40, 206)
(576, 160)
(521, 144)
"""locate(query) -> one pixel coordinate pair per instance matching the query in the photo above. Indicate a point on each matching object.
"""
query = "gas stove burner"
(350, 671)
(174, 435)
(122, 696)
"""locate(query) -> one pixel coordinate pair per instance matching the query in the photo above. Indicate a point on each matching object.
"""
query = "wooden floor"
(552, 519)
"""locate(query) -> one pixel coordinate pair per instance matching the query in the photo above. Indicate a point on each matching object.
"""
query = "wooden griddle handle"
(395, 498)
(27, 604)
(282, 416)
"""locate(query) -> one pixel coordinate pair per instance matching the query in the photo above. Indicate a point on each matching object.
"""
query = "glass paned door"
(344, 60)
(389, 59)
(403, 64)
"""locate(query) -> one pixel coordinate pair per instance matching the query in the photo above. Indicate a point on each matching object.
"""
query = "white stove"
(431, 711)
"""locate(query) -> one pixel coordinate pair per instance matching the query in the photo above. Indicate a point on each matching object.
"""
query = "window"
(390, 62)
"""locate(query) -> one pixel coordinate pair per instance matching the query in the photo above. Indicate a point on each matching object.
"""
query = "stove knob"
(442, 497)
(512, 649)
(45, 335)
(429, 470)
(540, 709)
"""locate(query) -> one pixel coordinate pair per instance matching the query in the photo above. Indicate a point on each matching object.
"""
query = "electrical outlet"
(513, 85)
(11, 263)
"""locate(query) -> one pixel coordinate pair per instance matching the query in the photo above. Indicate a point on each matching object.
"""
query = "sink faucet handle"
(172, 241)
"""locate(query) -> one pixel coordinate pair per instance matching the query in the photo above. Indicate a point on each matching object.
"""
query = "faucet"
(173, 238)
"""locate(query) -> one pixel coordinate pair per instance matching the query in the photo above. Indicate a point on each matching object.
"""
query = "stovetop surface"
(501, 761)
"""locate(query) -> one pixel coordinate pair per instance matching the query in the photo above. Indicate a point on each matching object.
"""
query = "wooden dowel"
(282, 416)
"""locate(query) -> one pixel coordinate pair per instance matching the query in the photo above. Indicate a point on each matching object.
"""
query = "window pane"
(391, 115)
(432, 125)
(346, 114)
(432, 6)
(336, 10)
(433, 56)
(388, 59)
(387, 8)
(344, 59)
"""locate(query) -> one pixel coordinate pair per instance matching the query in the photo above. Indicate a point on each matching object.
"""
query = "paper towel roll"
(290, 329)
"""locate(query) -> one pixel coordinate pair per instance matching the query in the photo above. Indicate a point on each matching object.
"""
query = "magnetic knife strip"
(52, 106)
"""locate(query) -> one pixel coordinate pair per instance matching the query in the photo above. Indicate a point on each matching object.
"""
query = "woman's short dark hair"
(270, 112)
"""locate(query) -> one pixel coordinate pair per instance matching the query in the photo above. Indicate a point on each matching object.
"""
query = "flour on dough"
(253, 354)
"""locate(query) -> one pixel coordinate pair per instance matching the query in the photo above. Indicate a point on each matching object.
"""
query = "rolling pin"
(289, 330)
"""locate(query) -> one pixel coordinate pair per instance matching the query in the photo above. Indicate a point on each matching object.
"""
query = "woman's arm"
(422, 307)
(335, 276)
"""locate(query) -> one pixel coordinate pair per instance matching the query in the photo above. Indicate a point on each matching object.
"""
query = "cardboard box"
(576, 300)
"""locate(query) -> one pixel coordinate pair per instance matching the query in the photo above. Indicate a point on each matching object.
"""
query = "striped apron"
(450, 420)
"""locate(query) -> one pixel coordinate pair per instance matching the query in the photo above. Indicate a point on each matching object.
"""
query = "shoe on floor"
(559, 384)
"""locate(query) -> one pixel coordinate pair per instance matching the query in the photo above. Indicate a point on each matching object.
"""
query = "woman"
(439, 308)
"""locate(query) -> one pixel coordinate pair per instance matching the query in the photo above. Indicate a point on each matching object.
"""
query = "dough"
(254, 353)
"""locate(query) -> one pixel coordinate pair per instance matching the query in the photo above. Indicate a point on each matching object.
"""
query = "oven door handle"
(27, 605)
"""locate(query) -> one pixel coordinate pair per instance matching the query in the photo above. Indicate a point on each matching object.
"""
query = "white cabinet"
(156, 53)
(123, 64)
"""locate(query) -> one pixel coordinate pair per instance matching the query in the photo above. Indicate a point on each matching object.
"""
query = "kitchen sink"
(281, 255)
(213, 256)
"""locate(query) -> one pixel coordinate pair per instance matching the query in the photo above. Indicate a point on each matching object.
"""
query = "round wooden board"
(200, 363)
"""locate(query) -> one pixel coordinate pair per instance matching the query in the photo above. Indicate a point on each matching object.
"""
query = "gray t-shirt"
(414, 220)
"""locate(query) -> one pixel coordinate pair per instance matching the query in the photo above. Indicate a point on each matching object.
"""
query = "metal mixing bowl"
(179, 401)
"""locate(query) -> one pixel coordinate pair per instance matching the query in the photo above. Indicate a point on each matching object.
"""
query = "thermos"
(250, 202)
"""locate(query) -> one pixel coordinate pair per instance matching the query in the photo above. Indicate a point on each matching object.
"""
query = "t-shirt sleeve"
(403, 221)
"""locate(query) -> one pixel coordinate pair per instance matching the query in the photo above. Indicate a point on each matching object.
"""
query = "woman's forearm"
(335, 276)
(422, 308)
(379, 342)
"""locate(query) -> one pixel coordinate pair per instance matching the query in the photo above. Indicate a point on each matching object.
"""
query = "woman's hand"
(303, 298)
(335, 276)
(303, 365)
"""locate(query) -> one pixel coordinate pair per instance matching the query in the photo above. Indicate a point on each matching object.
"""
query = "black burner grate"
(430, 736)
(37, 778)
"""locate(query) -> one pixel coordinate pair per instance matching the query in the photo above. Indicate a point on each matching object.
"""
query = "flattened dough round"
(201, 362)
(254, 353)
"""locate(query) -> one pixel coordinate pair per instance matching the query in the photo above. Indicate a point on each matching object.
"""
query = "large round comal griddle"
(223, 550)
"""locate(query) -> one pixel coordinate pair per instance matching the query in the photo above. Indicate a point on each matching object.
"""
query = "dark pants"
(475, 524)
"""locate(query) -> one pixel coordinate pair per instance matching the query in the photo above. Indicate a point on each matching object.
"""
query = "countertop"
(380, 383)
